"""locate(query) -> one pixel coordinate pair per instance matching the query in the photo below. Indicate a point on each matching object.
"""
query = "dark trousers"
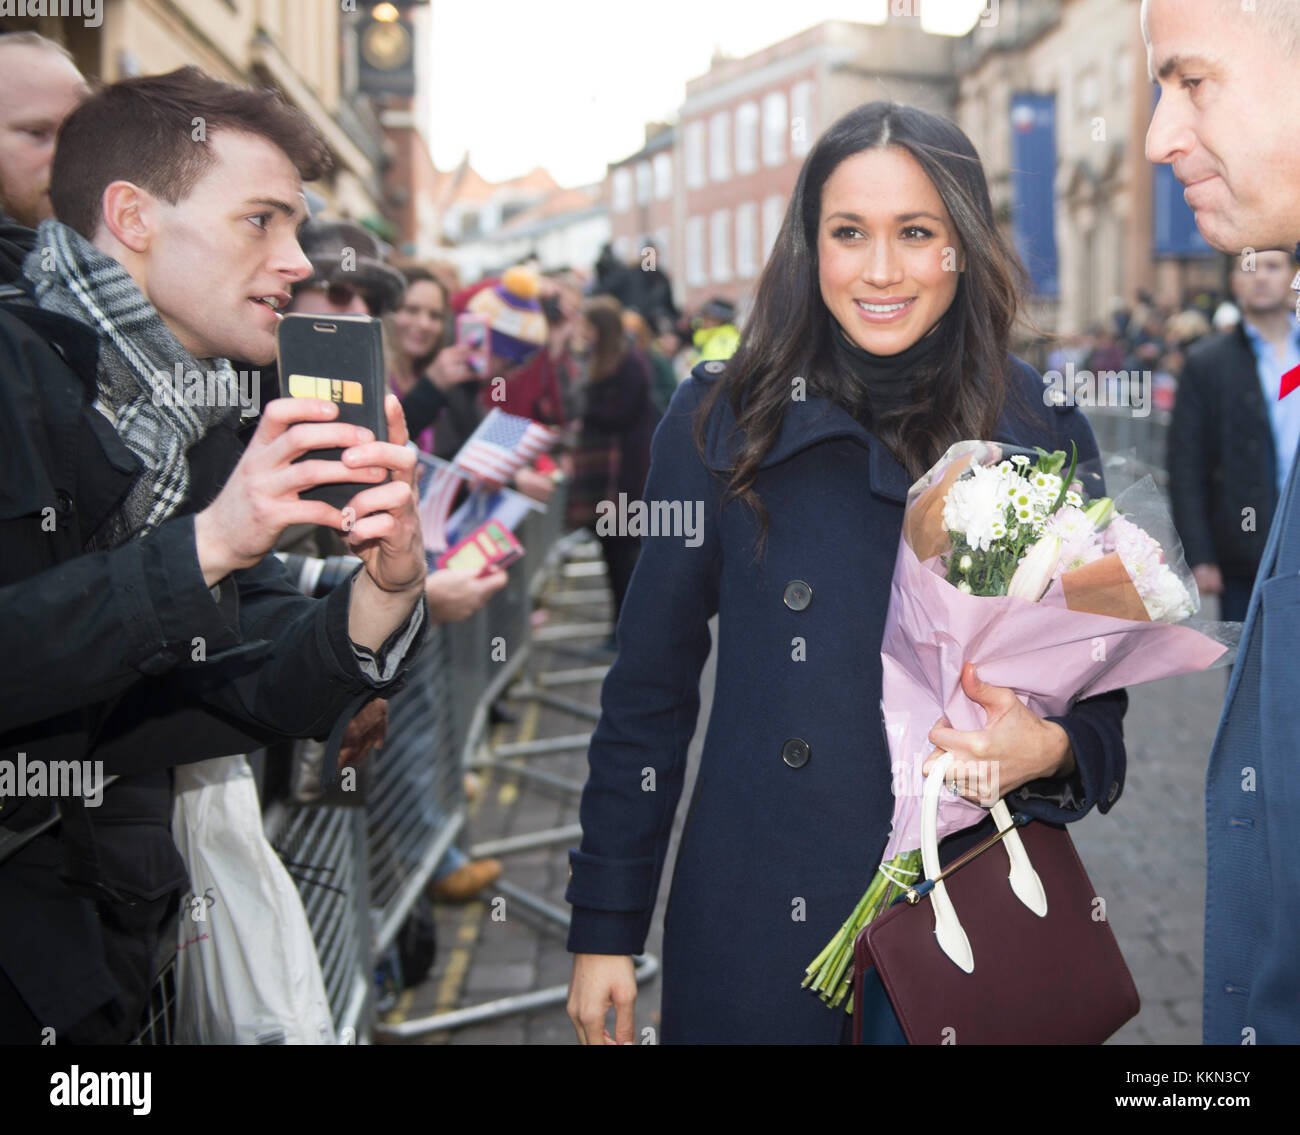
(621, 553)
(1235, 599)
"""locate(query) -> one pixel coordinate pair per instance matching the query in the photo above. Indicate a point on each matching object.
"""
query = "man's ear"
(127, 213)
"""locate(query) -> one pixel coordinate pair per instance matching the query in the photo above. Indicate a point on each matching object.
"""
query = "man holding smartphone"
(143, 623)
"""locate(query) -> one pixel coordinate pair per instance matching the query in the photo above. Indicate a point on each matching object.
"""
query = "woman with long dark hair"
(427, 371)
(880, 335)
(612, 455)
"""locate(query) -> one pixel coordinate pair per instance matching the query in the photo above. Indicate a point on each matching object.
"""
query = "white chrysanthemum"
(1047, 484)
(975, 504)
(1167, 601)
(1020, 459)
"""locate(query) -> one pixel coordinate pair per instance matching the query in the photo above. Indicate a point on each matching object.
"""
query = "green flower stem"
(830, 973)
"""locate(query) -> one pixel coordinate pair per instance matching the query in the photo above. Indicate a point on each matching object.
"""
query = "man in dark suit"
(1229, 102)
(1231, 439)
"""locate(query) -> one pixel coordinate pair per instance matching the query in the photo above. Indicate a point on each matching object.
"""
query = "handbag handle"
(1024, 880)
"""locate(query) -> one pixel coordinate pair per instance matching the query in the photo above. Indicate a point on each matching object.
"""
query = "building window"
(720, 146)
(773, 215)
(747, 137)
(622, 190)
(623, 249)
(695, 155)
(663, 173)
(746, 241)
(801, 118)
(643, 181)
(720, 245)
(774, 128)
(696, 276)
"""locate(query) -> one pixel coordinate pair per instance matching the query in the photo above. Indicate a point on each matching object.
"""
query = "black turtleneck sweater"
(886, 379)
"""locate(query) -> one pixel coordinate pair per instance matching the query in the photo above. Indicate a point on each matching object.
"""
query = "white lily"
(1100, 512)
(1036, 569)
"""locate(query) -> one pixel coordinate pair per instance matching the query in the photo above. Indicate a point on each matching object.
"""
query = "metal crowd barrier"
(1122, 434)
(359, 870)
(572, 560)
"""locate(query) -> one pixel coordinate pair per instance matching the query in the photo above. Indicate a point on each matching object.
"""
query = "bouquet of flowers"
(1007, 562)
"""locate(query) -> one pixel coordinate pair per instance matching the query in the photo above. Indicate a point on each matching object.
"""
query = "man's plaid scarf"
(137, 369)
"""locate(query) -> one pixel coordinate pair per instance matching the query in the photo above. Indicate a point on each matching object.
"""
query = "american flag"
(503, 444)
(438, 487)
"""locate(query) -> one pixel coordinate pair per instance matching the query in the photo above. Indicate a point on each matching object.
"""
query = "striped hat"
(515, 318)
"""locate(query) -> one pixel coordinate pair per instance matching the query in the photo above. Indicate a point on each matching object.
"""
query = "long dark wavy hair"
(958, 392)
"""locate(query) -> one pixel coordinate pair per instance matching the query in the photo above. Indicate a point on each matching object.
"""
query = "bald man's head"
(42, 87)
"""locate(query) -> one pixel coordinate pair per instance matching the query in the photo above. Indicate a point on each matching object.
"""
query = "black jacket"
(454, 414)
(16, 241)
(1221, 458)
(126, 657)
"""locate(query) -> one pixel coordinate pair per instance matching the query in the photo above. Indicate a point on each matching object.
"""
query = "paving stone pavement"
(1146, 858)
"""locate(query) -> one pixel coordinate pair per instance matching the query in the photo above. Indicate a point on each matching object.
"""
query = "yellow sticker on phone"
(326, 389)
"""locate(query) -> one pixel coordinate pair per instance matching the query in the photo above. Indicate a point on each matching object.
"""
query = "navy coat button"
(796, 752)
(715, 367)
(797, 595)
(63, 501)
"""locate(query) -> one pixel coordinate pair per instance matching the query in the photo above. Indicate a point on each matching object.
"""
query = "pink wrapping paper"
(1050, 655)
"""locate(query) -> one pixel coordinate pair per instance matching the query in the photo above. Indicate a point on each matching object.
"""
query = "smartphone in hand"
(472, 331)
(340, 359)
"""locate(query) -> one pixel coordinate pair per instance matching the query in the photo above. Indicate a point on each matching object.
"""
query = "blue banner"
(1173, 224)
(1033, 173)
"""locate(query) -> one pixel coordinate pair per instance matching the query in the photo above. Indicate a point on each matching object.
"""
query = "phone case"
(490, 543)
(337, 358)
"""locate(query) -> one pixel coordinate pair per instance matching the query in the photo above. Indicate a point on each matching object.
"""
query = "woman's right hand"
(599, 982)
(450, 367)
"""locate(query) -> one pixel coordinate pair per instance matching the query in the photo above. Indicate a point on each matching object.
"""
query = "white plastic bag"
(246, 967)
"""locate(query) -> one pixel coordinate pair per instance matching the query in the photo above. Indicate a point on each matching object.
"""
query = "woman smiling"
(880, 335)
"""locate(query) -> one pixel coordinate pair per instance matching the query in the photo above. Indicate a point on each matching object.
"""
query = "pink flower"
(1080, 541)
(1140, 554)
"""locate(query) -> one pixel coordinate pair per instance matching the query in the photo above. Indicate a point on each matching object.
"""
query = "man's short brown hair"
(153, 131)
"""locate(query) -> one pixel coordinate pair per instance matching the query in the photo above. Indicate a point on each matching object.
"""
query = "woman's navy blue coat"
(766, 842)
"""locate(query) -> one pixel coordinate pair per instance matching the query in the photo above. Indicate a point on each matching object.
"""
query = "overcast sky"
(569, 84)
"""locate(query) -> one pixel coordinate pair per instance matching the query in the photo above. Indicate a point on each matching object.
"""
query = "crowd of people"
(161, 277)
(136, 526)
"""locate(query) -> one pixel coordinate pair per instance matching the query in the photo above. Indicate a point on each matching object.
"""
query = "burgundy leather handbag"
(975, 955)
